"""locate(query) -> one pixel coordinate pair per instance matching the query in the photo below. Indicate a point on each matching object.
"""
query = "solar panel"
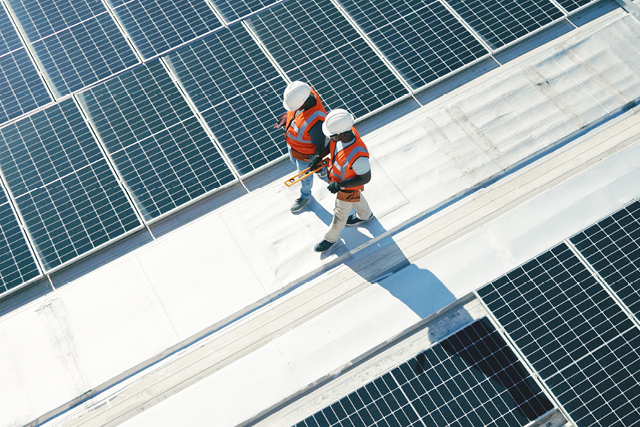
(16, 262)
(42, 18)
(21, 89)
(612, 247)
(571, 5)
(499, 22)
(555, 310)
(77, 42)
(422, 39)
(313, 42)
(603, 388)
(239, 93)
(9, 39)
(156, 26)
(236, 9)
(156, 142)
(470, 379)
(68, 196)
(84, 54)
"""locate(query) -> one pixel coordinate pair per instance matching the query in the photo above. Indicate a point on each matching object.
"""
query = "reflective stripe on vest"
(343, 168)
(303, 128)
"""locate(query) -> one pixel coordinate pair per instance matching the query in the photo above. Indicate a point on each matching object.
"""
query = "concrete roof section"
(225, 317)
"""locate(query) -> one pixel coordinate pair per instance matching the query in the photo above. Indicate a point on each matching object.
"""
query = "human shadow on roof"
(383, 262)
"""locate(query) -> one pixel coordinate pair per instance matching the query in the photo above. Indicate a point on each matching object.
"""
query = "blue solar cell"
(157, 26)
(502, 22)
(236, 9)
(422, 39)
(156, 142)
(21, 89)
(16, 262)
(42, 18)
(239, 93)
(313, 42)
(9, 39)
(68, 196)
(84, 54)
(571, 5)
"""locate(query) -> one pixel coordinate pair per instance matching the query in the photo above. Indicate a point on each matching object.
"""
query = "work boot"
(323, 246)
(354, 220)
(299, 204)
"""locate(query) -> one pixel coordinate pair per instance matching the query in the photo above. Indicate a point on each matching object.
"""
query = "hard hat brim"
(289, 107)
(325, 130)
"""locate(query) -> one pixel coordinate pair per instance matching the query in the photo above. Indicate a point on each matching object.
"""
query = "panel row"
(471, 378)
(574, 333)
(76, 44)
(62, 185)
(164, 153)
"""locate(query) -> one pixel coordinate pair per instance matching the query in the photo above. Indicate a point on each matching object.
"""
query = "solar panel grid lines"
(157, 145)
(9, 39)
(423, 40)
(500, 23)
(40, 18)
(471, 378)
(573, 5)
(158, 26)
(266, 52)
(17, 262)
(371, 43)
(85, 54)
(333, 58)
(237, 91)
(21, 88)
(64, 190)
(234, 10)
(555, 310)
(612, 248)
(603, 388)
(74, 44)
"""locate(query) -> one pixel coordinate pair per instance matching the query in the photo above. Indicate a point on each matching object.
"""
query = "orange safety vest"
(340, 167)
(298, 124)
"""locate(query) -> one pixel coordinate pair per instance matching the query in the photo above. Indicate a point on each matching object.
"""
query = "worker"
(348, 171)
(302, 125)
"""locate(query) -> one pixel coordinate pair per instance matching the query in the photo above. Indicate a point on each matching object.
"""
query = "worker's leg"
(362, 208)
(340, 215)
(307, 183)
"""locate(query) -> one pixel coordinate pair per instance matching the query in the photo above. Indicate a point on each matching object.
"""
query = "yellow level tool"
(305, 173)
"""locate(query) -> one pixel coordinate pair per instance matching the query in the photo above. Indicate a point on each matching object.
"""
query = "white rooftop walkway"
(435, 230)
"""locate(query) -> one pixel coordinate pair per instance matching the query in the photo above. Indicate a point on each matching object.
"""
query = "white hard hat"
(337, 121)
(295, 95)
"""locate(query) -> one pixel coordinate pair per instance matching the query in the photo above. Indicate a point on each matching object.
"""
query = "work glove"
(314, 162)
(334, 187)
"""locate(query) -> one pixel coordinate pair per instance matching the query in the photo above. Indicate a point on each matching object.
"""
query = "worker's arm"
(318, 139)
(357, 181)
(281, 122)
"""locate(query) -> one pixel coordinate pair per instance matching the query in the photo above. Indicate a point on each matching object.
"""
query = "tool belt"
(299, 156)
(351, 196)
